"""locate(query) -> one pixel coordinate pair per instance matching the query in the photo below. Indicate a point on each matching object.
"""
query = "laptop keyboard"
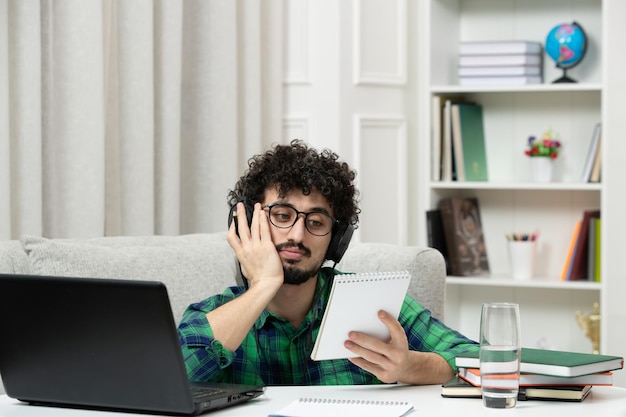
(201, 393)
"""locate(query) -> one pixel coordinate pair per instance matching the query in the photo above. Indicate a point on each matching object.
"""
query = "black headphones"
(340, 239)
(342, 233)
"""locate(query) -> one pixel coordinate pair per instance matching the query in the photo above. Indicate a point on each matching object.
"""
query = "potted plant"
(542, 153)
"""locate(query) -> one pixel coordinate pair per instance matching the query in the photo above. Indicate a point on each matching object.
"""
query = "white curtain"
(135, 117)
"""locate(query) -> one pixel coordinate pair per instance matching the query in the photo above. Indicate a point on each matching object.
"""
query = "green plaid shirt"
(276, 353)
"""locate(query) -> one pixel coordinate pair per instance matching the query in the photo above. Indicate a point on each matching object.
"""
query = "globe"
(566, 44)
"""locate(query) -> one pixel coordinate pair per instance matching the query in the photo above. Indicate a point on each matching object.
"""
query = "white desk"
(603, 401)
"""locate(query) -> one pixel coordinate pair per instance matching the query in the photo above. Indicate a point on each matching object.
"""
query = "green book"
(553, 362)
(598, 265)
(472, 141)
(591, 250)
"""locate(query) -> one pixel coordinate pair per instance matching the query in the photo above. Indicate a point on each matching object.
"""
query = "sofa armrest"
(13, 259)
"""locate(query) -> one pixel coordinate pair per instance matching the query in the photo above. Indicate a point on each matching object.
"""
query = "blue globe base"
(564, 78)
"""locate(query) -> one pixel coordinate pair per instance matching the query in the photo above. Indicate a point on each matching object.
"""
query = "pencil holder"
(522, 258)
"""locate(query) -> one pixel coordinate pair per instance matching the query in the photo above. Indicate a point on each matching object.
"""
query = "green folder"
(473, 141)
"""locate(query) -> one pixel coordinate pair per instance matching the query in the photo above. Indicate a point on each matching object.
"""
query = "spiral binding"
(336, 401)
(371, 276)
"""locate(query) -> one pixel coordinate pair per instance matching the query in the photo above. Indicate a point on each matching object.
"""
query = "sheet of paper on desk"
(333, 407)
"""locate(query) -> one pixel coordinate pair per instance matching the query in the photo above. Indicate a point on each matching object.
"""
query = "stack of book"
(544, 375)
(500, 63)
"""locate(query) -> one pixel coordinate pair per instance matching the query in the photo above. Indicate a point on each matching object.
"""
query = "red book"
(472, 375)
(581, 255)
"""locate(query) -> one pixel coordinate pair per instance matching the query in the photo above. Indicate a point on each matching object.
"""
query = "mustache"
(299, 246)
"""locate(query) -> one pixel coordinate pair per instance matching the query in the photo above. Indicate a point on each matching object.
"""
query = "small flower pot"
(541, 168)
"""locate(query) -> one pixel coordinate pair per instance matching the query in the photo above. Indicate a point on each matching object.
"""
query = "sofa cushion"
(192, 267)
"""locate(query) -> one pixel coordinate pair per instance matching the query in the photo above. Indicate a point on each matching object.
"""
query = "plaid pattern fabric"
(276, 353)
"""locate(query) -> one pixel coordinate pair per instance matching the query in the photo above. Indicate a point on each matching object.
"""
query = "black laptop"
(99, 344)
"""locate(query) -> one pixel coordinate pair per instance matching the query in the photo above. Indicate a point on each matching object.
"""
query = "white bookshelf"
(510, 201)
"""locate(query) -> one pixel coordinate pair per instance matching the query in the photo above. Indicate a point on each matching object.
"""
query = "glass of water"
(500, 347)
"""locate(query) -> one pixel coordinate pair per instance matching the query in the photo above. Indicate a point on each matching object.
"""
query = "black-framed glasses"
(285, 216)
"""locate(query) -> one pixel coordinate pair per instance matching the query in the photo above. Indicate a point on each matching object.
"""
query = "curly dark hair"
(298, 166)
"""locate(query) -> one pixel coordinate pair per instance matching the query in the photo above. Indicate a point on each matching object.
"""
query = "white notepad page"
(325, 407)
(354, 303)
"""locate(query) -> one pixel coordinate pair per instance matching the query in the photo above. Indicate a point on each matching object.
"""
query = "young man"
(265, 333)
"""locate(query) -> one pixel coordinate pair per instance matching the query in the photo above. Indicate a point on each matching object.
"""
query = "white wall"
(347, 87)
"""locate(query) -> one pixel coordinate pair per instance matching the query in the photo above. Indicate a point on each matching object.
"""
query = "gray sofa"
(195, 266)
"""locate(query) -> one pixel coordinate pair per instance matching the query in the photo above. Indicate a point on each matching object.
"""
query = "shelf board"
(531, 283)
(512, 185)
(529, 88)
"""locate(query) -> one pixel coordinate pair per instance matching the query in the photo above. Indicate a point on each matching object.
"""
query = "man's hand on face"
(260, 262)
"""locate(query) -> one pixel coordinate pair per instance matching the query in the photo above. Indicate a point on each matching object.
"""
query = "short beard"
(294, 275)
(297, 276)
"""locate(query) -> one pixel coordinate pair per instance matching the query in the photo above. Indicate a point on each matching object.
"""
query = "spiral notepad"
(332, 407)
(354, 303)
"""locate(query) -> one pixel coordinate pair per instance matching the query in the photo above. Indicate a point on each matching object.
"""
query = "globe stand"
(564, 78)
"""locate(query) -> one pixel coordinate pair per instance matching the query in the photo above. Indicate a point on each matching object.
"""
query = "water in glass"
(500, 354)
(499, 373)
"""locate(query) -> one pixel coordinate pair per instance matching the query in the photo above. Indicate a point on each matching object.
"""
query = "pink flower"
(547, 146)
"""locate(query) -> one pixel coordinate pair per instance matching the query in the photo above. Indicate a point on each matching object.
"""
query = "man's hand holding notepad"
(353, 305)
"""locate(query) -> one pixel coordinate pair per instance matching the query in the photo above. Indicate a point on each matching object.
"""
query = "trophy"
(590, 324)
